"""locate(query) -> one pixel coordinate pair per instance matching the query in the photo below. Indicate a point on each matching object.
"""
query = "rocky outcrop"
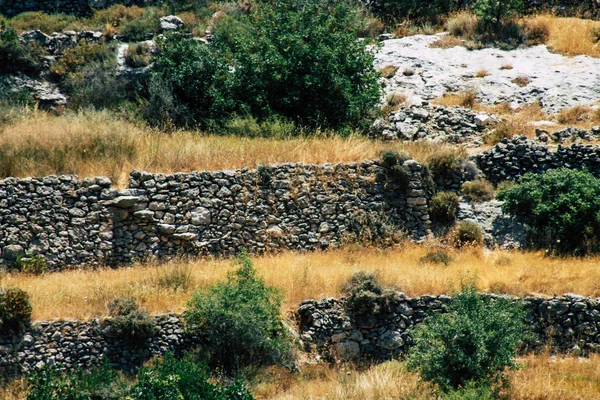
(555, 82)
(568, 324)
(435, 124)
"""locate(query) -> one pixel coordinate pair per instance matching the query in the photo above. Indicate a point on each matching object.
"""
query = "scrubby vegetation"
(561, 206)
(239, 320)
(468, 349)
(15, 310)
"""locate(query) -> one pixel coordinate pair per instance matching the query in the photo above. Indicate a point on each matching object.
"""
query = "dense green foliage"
(492, 13)
(562, 207)
(165, 378)
(101, 383)
(299, 59)
(239, 320)
(429, 11)
(129, 322)
(393, 164)
(16, 56)
(172, 379)
(471, 344)
(443, 208)
(15, 310)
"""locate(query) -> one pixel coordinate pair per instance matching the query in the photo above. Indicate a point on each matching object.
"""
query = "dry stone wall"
(569, 324)
(291, 206)
(76, 345)
(510, 159)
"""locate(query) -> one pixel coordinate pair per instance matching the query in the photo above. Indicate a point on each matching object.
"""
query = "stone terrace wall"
(290, 206)
(74, 345)
(568, 324)
(511, 159)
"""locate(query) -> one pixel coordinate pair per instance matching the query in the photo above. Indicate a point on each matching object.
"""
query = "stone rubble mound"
(571, 134)
(438, 124)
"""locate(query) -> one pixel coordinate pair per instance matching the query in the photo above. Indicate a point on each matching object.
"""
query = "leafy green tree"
(471, 344)
(562, 206)
(492, 13)
(239, 320)
(300, 59)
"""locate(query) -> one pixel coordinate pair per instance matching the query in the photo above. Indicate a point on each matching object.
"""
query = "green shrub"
(492, 13)
(129, 322)
(436, 257)
(172, 379)
(17, 56)
(365, 294)
(147, 25)
(393, 163)
(35, 265)
(299, 59)
(562, 208)
(471, 344)
(101, 382)
(138, 55)
(442, 164)
(466, 233)
(239, 320)
(443, 208)
(431, 11)
(478, 190)
(47, 23)
(15, 310)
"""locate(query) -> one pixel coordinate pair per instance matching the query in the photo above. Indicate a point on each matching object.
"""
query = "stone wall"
(291, 206)
(74, 345)
(569, 324)
(510, 159)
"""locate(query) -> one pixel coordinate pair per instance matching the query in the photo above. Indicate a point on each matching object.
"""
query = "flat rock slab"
(555, 81)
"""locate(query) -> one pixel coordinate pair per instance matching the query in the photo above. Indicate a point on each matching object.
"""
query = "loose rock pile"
(437, 124)
(571, 134)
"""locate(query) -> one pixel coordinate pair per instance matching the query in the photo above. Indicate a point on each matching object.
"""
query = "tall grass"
(91, 143)
(166, 288)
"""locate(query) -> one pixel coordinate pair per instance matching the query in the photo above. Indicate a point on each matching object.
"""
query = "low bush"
(365, 294)
(129, 322)
(478, 190)
(45, 22)
(35, 265)
(144, 27)
(443, 208)
(471, 345)
(17, 56)
(101, 383)
(393, 164)
(492, 14)
(561, 206)
(171, 379)
(138, 55)
(466, 233)
(15, 310)
(442, 164)
(239, 320)
(436, 257)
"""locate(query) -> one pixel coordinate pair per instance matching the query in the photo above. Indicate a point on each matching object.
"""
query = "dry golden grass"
(96, 143)
(569, 36)
(388, 71)
(521, 81)
(482, 73)
(542, 378)
(467, 98)
(86, 293)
